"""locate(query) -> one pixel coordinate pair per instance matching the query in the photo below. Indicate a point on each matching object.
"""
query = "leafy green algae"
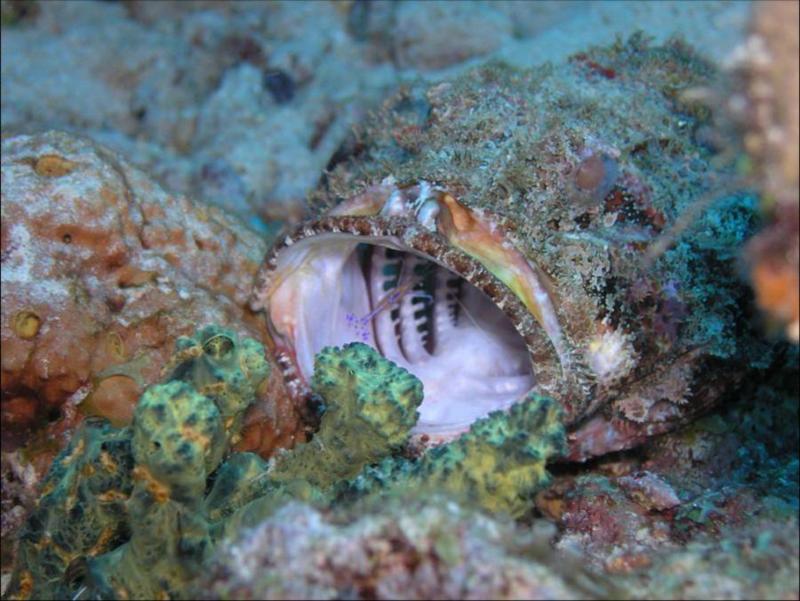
(371, 406)
(497, 466)
(121, 513)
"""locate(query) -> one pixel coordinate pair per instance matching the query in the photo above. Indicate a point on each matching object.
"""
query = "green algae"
(371, 406)
(121, 512)
(497, 466)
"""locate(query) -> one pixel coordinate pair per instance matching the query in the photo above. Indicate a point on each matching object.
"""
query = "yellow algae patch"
(108, 462)
(111, 496)
(115, 346)
(52, 165)
(79, 448)
(27, 324)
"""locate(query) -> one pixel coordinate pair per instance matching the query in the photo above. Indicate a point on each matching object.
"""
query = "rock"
(650, 491)
(435, 35)
(405, 548)
(100, 265)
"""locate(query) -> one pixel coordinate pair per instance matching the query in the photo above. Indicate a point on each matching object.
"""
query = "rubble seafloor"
(241, 107)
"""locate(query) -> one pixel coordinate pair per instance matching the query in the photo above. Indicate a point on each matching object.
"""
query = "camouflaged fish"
(491, 235)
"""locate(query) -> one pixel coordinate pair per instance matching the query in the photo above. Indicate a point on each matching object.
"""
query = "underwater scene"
(400, 299)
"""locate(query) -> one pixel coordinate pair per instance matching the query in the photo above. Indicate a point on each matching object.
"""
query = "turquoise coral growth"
(122, 514)
(181, 432)
(151, 522)
(498, 465)
(237, 482)
(370, 410)
(219, 365)
(82, 511)
(178, 440)
(371, 406)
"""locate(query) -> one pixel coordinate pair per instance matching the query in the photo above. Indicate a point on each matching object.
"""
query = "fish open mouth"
(431, 286)
(415, 312)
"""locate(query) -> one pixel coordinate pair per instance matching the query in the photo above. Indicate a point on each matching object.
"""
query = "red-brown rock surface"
(101, 271)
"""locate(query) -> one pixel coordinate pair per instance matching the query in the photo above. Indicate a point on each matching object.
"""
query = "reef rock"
(407, 548)
(189, 97)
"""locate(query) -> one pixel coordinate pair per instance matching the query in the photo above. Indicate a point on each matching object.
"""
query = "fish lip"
(549, 374)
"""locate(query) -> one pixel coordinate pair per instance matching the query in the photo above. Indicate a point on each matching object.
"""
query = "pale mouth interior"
(417, 313)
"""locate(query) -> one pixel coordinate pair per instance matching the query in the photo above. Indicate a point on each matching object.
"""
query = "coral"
(219, 365)
(123, 510)
(500, 463)
(417, 515)
(178, 440)
(181, 431)
(370, 408)
(237, 482)
(81, 512)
